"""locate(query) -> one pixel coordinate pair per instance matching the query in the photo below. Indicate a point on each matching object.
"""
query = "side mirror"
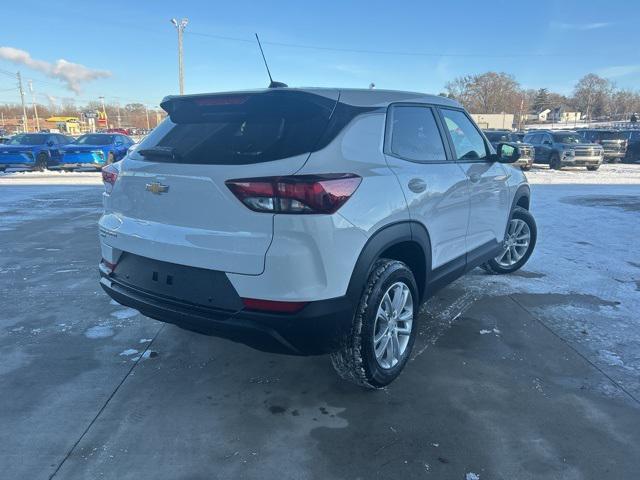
(508, 153)
(547, 142)
(49, 143)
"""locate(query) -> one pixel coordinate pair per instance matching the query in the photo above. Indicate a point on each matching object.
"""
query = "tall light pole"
(35, 107)
(180, 26)
(24, 108)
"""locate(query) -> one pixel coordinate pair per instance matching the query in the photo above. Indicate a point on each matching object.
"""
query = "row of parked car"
(40, 151)
(562, 148)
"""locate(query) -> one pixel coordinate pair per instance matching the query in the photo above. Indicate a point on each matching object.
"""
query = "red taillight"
(273, 306)
(302, 194)
(109, 177)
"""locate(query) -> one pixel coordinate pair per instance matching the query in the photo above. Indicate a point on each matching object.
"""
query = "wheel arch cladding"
(407, 242)
(522, 198)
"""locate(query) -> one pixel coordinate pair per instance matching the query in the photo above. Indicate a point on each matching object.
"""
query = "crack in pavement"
(95, 418)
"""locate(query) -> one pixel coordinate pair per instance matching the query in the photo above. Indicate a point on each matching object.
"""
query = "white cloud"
(72, 74)
(580, 26)
(618, 71)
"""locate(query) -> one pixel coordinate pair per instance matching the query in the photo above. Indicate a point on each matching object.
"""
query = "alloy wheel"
(516, 243)
(392, 327)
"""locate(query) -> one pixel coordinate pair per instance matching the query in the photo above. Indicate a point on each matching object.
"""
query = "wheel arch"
(408, 242)
(522, 198)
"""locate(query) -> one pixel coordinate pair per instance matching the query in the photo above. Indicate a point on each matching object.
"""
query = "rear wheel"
(554, 162)
(593, 168)
(384, 328)
(518, 243)
(41, 162)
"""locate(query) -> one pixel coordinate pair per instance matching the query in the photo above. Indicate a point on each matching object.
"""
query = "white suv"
(310, 221)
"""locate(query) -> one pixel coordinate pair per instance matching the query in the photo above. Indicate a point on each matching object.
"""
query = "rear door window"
(466, 139)
(415, 135)
(236, 129)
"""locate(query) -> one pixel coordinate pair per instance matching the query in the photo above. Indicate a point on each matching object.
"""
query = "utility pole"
(24, 108)
(118, 107)
(180, 26)
(35, 107)
(146, 112)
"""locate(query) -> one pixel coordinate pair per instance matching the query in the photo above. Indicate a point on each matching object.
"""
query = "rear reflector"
(109, 177)
(108, 267)
(296, 194)
(273, 306)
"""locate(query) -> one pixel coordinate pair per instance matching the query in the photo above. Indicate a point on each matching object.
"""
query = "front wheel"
(554, 162)
(384, 328)
(41, 162)
(593, 168)
(518, 244)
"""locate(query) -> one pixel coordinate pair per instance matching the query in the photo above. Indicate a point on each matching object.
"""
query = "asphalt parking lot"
(535, 375)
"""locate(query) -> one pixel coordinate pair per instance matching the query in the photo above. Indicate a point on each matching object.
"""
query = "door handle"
(417, 185)
(474, 177)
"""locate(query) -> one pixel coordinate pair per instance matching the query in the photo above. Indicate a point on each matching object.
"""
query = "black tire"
(42, 161)
(593, 168)
(493, 267)
(526, 168)
(356, 360)
(110, 158)
(554, 162)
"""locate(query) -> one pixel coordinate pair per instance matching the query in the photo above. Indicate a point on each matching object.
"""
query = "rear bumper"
(84, 159)
(317, 329)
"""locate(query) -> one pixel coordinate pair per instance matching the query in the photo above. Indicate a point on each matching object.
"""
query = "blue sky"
(547, 43)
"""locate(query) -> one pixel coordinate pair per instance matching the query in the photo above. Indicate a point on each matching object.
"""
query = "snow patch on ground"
(124, 314)
(145, 340)
(50, 177)
(609, 174)
(99, 331)
(128, 352)
(472, 476)
(611, 358)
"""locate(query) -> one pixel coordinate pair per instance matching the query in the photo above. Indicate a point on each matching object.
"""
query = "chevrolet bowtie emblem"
(156, 188)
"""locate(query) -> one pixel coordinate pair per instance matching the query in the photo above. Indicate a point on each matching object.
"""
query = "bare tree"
(591, 95)
(489, 92)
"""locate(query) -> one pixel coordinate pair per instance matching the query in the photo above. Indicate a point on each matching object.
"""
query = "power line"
(386, 52)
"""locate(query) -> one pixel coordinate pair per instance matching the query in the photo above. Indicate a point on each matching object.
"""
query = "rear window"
(236, 129)
(496, 136)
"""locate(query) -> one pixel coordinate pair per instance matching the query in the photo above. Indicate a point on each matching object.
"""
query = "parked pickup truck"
(614, 142)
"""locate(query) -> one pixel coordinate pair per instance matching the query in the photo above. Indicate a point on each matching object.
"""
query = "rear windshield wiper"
(164, 152)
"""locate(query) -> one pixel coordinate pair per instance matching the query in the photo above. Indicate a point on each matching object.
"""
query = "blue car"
(35, 151)
(95, 150)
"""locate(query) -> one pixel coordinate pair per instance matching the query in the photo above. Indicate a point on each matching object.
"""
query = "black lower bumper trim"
(317, 329)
